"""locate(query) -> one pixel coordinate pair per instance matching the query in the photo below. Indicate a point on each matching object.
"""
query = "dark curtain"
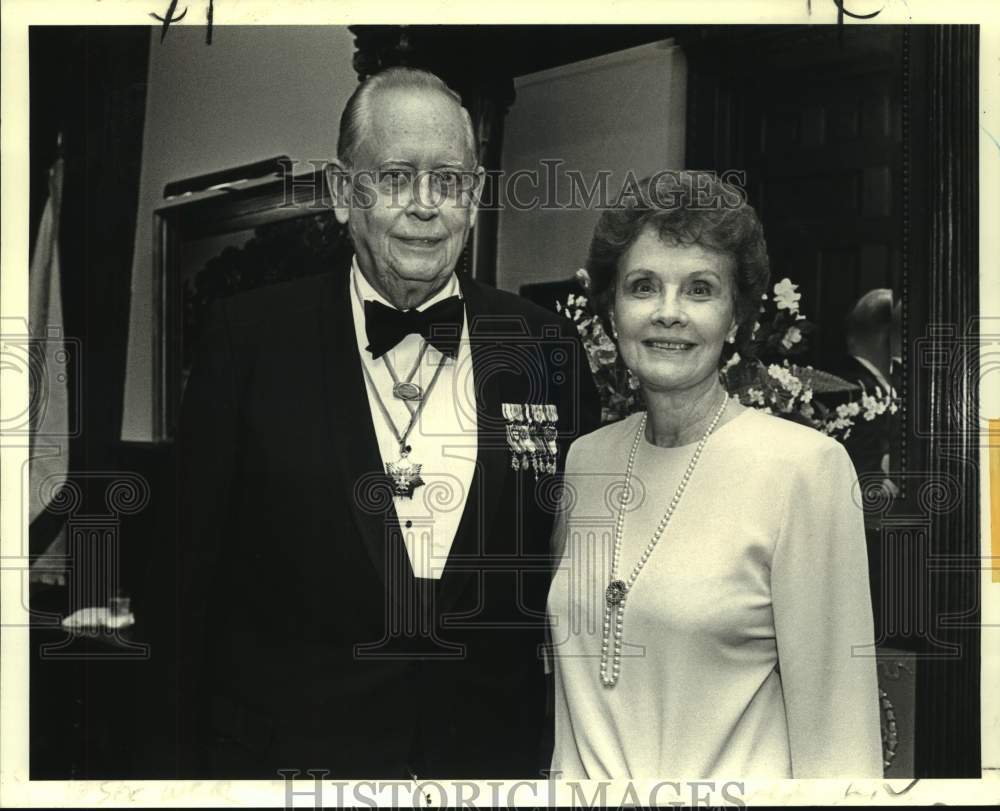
(89, 84)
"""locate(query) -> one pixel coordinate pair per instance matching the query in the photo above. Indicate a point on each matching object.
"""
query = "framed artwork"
(232, 241)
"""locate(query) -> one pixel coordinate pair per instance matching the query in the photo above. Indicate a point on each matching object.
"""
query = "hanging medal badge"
(404, 475)
(512, 442)
(518, 438)
(550, 433)
(531, 411)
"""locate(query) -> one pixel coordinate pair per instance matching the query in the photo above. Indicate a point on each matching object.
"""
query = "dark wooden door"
(813, 116)
(859, 145)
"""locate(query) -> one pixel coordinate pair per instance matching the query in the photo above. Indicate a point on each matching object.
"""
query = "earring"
(731, 339)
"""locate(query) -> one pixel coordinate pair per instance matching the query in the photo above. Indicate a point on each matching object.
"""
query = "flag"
(48, 387)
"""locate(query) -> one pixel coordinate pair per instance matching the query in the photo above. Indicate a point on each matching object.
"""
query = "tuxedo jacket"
(293, 630)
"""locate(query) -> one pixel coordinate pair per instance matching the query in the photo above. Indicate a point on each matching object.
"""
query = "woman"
(716, 623)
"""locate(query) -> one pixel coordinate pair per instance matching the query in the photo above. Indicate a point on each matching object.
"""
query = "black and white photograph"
(500, 412)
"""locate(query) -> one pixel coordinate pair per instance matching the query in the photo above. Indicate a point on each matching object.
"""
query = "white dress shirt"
(443, 440)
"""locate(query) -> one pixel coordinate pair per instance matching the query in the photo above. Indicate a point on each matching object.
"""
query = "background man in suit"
(324, 614)
(868, 331)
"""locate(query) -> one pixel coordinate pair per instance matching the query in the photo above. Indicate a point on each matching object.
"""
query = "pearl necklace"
(618, 590)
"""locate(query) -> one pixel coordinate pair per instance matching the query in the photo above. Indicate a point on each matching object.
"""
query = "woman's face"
(674, 310)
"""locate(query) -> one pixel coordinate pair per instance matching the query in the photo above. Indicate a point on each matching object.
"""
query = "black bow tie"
(440, 325)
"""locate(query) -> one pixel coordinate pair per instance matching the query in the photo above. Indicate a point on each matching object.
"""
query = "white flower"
(786, 378)
(874, 405)
(786, 296)
(838, 425)
(792, 336)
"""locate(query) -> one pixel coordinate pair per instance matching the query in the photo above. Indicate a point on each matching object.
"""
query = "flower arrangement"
(766, 378)
(619, 391)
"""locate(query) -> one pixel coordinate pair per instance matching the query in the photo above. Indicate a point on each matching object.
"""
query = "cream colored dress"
(748, 634)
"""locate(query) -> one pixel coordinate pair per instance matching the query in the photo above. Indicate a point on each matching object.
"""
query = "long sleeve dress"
(748, 635)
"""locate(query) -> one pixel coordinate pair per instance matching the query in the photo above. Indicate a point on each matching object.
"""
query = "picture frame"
(230, 240)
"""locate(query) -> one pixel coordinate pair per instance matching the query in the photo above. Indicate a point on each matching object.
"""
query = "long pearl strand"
(618, 590)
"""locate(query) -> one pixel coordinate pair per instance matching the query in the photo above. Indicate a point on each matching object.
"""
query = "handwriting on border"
(172, 17)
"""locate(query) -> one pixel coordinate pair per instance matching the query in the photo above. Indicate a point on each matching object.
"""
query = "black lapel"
(492, 456)
(355, 447)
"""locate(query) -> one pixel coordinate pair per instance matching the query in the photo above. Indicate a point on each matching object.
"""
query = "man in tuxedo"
(868, 331)
(369, 471)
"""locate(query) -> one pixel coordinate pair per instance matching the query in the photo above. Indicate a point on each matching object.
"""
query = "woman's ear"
(734, 327)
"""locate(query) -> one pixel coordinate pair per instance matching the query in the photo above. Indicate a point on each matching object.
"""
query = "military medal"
(407, 391)
(549, 433)
(404, 474)
(531, 436)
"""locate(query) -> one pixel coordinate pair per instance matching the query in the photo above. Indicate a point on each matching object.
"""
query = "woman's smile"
(668, 346)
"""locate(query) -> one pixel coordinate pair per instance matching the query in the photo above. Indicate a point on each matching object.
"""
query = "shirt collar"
(369, 293)
(874, 370)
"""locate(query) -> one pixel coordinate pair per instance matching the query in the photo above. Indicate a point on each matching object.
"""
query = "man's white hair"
(355, 119)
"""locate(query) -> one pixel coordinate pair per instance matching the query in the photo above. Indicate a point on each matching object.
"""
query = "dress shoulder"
(781, 441)
(597, 446)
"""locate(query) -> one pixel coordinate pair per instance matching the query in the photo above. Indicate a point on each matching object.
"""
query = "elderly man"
(369, 465)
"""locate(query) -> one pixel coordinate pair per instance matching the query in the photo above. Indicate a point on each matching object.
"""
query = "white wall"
(254, 93)
(620, 111)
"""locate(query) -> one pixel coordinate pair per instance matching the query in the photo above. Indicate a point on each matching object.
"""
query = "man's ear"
(478, 185)
(338, 184)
